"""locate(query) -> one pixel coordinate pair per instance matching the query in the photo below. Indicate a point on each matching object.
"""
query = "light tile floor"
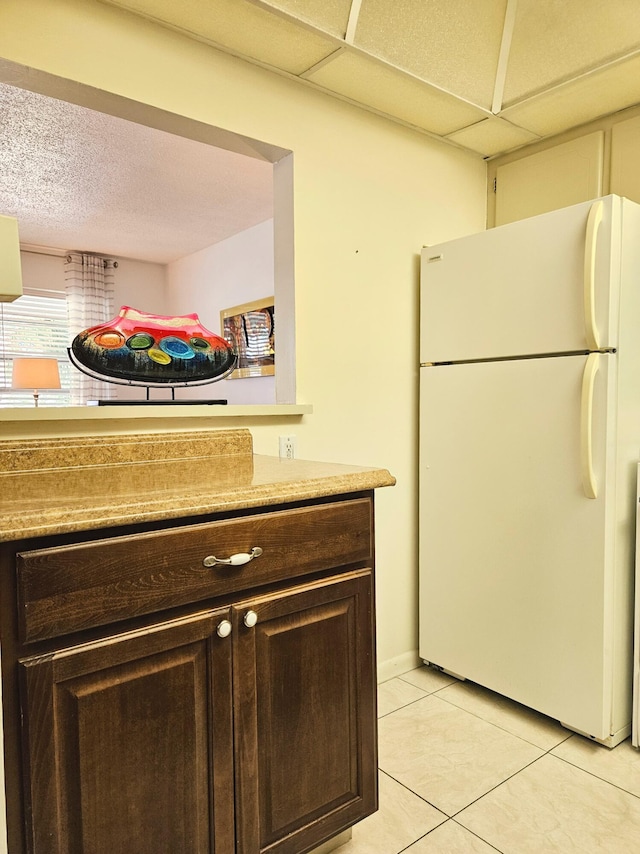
(464, 771)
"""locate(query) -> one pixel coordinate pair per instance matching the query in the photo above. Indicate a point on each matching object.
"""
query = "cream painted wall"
(42, 272)
(234, 271)
(368, 195)
(141, 285)
(138, 283)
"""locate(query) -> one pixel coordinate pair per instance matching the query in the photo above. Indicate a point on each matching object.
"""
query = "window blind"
(34, 325)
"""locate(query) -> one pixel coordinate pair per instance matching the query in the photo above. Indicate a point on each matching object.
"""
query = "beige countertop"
(55, 486)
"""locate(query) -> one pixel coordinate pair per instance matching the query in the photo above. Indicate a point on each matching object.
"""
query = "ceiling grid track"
(306, 74)
(576, 78)
(487, 77)
(354, 14)
(503, 58)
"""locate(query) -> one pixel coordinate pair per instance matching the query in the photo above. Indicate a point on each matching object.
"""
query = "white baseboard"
(395, 666)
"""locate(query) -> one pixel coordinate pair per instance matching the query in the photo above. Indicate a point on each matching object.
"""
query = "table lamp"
(35, 374)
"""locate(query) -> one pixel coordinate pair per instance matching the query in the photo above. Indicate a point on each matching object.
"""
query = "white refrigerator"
(529, 444)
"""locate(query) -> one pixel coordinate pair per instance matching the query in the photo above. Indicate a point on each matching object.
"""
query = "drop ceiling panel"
(492, 136)
(240, 27)
(452, 43)
(568, 62)
(568, 106)
(554, 41)
(329, 15)
(375, 85)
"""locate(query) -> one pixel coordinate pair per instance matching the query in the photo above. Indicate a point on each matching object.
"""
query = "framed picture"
(250, 330)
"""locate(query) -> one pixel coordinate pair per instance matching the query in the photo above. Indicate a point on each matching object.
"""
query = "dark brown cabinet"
(128, 743)
(305, 715)
(234, 714)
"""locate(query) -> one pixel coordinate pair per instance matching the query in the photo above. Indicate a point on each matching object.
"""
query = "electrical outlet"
(287, 447)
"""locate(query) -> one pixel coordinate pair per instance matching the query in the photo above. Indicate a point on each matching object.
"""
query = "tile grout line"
(501, 783)
(478, 717)
(404, 706)
(409, 789)
(528, 765)
(461, 826)
(544, 752)
(454, 815)
(508, 731)
(437, 691)
(592, 774)
(493, 788)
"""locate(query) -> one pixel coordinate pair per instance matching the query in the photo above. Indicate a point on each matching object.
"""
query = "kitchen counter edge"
(44, 503)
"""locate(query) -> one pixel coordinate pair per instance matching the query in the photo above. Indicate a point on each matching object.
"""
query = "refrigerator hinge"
(495, 185)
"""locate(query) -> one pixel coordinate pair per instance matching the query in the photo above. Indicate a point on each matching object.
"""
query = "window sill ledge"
(53, 420)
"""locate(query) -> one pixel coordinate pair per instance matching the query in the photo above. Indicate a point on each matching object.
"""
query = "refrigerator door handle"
(589, 483)
(591, 241)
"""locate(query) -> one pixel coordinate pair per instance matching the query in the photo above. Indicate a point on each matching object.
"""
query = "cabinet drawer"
(64, 589)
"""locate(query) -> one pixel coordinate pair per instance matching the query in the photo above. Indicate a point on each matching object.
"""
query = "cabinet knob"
(250, 619)
(234, 560)
(224, 629)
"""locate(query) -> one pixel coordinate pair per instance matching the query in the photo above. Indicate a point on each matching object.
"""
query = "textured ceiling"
(489, 75)
(80, 179)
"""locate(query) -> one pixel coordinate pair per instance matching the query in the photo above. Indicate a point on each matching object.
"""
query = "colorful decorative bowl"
(138, 348)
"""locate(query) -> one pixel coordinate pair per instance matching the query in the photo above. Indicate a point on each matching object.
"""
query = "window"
(34, 325)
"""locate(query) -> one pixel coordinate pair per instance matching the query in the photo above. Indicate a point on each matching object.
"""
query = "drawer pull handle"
(250, 619)
(234, 560)
(224, 629)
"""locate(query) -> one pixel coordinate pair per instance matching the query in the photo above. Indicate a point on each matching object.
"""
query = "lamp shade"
(35, 373)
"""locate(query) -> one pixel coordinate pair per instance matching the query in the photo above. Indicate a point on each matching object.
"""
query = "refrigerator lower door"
(516, 563)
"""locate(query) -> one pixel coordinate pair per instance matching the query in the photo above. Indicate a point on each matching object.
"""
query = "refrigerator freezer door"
(542, 285)
(516, 562)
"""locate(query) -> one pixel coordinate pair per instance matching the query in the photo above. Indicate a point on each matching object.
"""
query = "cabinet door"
(554, 178)
(128, 743)
(306, 737)
(625, 169)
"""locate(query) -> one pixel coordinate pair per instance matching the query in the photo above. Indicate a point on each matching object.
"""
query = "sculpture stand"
(148, 402)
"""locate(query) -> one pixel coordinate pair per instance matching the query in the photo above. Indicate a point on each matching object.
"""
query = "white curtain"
(89, 290)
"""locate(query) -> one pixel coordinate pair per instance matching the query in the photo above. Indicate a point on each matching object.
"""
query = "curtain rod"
(104, 260)
(34, 249)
